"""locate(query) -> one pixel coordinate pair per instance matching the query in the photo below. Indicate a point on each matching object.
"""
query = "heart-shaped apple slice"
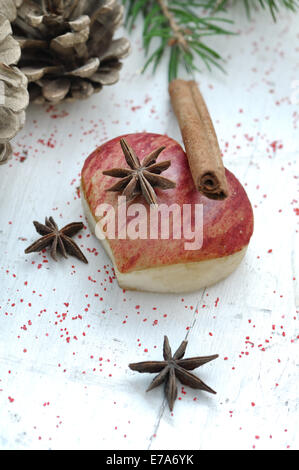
(207, 239)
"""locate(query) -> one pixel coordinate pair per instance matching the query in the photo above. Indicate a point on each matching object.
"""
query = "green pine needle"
(274, 6)
(180, 26)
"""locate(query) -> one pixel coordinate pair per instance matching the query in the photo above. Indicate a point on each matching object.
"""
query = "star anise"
(59, 240)
(140, 177)
(174, 367)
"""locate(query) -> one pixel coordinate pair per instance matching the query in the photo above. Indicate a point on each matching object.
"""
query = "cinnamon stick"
(200, 139)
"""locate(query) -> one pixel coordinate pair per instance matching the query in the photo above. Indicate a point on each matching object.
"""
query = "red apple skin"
(228, 224)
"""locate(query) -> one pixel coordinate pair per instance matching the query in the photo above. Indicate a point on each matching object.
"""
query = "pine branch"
(274, 6)
(178, 35)
(180, 26)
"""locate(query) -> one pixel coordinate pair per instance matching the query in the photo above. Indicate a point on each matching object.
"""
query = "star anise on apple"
(140, 177)
(174, 367)
(59, 240)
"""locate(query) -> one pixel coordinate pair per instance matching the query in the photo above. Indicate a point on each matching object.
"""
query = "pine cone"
(68, 50)
(13, 84)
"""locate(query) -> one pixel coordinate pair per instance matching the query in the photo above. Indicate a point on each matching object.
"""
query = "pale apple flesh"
(165, 265)
(176, 278)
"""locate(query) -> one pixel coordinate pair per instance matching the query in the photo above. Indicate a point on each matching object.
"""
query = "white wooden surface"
(67, 332)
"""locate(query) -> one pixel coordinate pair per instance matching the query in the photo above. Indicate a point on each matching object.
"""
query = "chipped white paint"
(67, 332)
